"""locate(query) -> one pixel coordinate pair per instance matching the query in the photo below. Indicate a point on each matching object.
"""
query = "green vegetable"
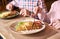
(18, 25)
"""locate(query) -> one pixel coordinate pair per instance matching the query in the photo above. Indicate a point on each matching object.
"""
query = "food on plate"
(28, 25)
(7, 14)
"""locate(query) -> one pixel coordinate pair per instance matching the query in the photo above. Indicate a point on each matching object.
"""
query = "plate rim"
(43, 27)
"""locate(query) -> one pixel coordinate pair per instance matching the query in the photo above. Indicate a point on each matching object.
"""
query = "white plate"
(2, 36)
(27, 31)
(9, 16)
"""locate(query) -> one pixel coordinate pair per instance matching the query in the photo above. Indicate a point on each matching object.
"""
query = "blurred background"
(3, 3)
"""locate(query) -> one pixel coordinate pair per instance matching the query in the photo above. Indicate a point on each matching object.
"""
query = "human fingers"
(9, 6)
(35, 10)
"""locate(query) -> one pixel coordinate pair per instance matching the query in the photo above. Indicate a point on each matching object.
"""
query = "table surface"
(8, 34)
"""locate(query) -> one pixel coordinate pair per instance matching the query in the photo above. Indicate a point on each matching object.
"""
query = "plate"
(2, 36)
(12, 16)
(8, 16)
(26, 31)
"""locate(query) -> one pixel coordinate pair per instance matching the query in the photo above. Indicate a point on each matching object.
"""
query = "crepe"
(8, 14)
(28, 25)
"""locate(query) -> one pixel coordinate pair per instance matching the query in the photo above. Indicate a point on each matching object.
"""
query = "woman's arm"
(41, 9)
(42, 5)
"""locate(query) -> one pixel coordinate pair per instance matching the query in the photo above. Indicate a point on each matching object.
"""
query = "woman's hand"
(9, 6)
(55, 23)
(24, 12)
(37, 10)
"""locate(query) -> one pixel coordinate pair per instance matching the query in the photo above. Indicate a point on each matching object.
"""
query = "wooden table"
(4, 29)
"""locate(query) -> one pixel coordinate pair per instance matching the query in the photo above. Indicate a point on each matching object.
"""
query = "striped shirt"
(29, 4)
